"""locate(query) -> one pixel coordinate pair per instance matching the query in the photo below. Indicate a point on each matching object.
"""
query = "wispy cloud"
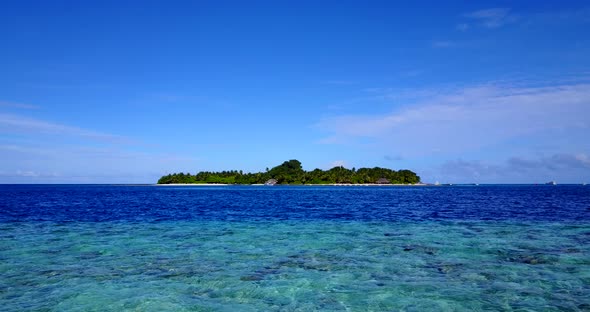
(411, 73)
(517, 169)
(552, 163)
(50, 163)
(17, 105)
(442, 44)
(490, 18)
(469, 118)
(393, 158)
(498, 17)
(28, 174)
(460, 170)
(561, 16)
(462, 27)
(21, 124)
(338, 82)
(34, 150)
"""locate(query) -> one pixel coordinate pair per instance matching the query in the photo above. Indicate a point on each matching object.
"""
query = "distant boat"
(551, 183)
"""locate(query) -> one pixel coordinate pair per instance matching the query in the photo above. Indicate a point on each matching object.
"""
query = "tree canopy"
(291, 172)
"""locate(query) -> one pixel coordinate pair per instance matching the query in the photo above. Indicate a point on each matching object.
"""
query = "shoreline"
(332, 184)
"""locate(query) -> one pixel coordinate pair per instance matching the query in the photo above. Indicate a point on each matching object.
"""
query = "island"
(291, 172)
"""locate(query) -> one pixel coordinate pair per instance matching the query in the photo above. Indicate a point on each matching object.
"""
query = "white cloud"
(38, 151)
(498, 17)
(571, 167)
(469, 118)
(338, 82)
(569, 16)
(17, 105)
(21, 124)
(462, 27)
(49, 163)
(491, 18)
(28, 174)
(393, 158)
(442, 44)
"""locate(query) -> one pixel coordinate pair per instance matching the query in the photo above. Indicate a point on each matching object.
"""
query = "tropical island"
(291, 172)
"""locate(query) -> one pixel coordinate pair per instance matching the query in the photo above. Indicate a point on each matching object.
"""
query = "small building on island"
(271, 182)
(383, 181)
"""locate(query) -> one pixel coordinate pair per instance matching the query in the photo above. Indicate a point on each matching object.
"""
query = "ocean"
(294, 248)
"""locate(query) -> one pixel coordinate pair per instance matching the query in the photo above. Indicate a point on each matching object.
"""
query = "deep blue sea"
(294, 248)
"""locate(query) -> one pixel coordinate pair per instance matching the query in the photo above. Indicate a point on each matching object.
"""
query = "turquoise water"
(143, 248)
(295, 265)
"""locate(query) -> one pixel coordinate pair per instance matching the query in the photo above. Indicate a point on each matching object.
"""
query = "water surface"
(85, 248)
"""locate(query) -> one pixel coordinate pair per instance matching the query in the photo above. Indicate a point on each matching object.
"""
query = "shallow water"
(109, 248)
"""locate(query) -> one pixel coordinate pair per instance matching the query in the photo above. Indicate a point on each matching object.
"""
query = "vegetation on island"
(291, 172)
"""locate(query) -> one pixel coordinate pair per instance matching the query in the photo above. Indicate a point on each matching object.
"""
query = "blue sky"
(458, 91)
